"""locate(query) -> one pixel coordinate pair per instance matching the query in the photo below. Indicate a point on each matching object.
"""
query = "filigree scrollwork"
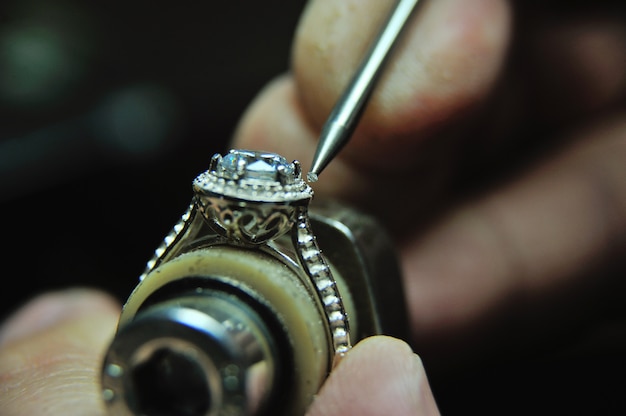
(248, 223)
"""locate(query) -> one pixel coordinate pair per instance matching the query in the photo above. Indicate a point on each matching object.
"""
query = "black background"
(83, 203)
(80, 205)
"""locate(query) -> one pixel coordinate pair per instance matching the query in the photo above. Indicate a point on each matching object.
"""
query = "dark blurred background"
(108, 110)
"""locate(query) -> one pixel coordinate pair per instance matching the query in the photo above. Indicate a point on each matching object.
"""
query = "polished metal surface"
(198, 354)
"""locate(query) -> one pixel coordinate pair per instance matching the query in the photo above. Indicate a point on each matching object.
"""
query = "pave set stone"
(254, 176)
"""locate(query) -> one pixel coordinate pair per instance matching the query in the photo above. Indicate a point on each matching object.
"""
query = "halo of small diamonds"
(250, 197)
(254, 176)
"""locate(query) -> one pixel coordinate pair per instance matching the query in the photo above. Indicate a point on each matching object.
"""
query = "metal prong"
(297, 169)
(214, 161)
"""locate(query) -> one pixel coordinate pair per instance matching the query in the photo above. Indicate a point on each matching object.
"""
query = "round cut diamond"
(247, 164)
(229, 163)
(253, 176)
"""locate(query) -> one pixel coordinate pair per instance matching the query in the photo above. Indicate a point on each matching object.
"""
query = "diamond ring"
(253, 199)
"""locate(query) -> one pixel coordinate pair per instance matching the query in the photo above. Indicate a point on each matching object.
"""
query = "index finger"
(447, 59)
(446, 62)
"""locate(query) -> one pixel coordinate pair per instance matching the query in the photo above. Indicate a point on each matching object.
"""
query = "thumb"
(50, 353)
(379, 376)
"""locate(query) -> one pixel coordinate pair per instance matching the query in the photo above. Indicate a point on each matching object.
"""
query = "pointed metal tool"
(347, 111)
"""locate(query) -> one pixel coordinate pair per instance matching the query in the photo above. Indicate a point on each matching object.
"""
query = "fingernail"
(406, 382)
(425, 401)
(48, 309)
(379, 376)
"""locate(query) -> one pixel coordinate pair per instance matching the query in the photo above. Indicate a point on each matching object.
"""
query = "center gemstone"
(254, 176)
(247, 164)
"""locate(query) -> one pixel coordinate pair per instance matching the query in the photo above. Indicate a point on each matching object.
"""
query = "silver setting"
(251, 198)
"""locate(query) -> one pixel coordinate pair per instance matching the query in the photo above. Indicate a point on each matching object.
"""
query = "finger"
(51, 354)
(446, 62)
(46, 310)
(285, 117)
(379, 376)
(274, 122)
(524, 240)
(575, 64)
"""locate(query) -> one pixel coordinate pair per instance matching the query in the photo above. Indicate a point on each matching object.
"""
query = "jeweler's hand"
(51, 351)
(494, 148)
(52, 348)
(443, 134)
